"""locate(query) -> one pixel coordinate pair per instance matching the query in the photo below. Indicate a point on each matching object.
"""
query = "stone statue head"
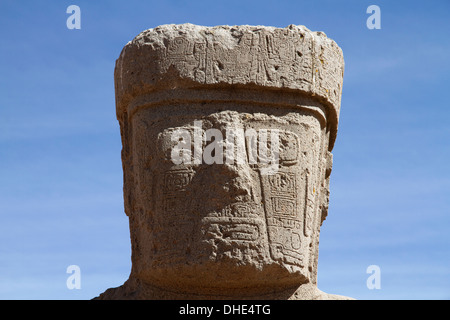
(227, 133)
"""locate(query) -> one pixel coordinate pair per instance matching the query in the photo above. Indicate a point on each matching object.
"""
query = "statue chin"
(226, 154)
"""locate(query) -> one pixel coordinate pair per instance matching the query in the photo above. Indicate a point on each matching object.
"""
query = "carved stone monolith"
(227, 135)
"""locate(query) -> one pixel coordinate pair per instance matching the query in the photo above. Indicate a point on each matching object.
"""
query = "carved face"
(198, 222)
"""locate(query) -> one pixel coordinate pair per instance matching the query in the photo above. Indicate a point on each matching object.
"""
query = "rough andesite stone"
(226, 229)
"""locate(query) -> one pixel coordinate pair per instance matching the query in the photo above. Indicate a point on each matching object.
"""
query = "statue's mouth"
(232, 229)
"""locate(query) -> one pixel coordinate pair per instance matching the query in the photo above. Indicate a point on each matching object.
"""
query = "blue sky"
(61, 177)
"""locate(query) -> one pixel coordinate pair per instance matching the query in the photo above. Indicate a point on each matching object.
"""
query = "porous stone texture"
(226, 230)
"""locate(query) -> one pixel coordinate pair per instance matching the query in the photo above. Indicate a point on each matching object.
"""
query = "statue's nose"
(237, 179)
(224, 183)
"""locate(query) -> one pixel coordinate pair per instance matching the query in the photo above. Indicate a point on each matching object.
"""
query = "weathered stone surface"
(172, 56)
(227, 229)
